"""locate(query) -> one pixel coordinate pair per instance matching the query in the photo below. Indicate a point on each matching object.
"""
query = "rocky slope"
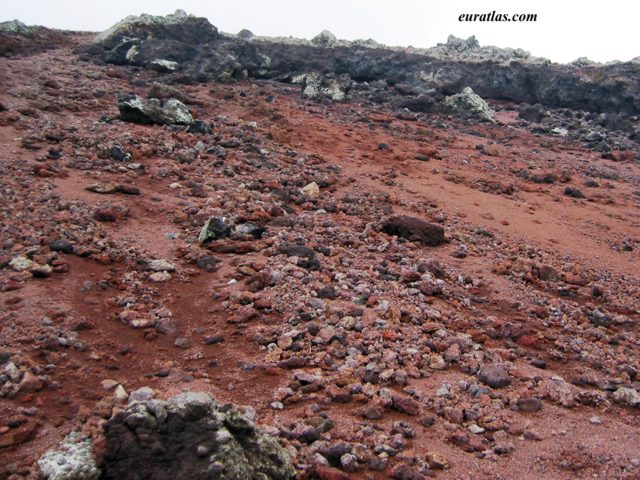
(16, 38)
(394, 278)
(493, 73)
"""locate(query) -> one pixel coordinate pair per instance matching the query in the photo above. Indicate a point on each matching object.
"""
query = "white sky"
(564, 31)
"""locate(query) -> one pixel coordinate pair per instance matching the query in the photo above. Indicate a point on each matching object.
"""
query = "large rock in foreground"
(153, 111)
(415, 230)
(190, 436)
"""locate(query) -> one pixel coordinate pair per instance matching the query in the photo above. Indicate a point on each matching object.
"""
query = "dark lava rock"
(163, 92)
(307, 256)
(573, 192)
(406, 405)
(177, 27)
(204, 55)
(532, 113)
(309, 435)
(547, 273)
(5, 357)
(150, 111)
(539, 363)
(182, 342)
(297, 251)
(245, 34)
(372, 412)
(118, 153)
(61, 245)
(215, 229)
(128, 189)
(293, 362)
(415, 230)
(421, 104)
(427, 421)
(328, 293)
(208, 263)
(250, 229)
(189, 436)
(200, 126)
(335, 452)
(213, 339)
(530, 404)
(496, 376)
(599, 319)
(106, 215)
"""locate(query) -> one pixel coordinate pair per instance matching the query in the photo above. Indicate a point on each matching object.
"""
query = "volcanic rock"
(163, 66)
(153, 111)
(73, 460)
(573, 192)
(529, 404)
(190, 436)
(200, 126)
(496, 376)
(318, 86)
(61, 245)
(325, 39)
(178, 27)
(415, 230)
(467, 104)
(245, 34)
(215, 229)
(628, 396)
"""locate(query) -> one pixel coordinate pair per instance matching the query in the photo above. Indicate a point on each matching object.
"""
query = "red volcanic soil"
(392, 335)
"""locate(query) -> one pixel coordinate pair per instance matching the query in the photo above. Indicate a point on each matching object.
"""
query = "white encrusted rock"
(468, 104)
(72, 461)
(325, 39)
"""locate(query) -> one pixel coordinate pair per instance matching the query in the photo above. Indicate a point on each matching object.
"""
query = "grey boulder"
(151, 111)
(468, 104)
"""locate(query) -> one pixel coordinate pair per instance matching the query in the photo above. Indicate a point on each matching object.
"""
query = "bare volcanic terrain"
(386, 275)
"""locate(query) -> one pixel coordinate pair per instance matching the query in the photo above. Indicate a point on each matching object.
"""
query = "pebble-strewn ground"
(511, 351)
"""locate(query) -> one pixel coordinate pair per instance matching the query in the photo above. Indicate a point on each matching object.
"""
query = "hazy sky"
(563, 31)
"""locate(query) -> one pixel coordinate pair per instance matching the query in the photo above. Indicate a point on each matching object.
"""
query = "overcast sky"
(563, 31)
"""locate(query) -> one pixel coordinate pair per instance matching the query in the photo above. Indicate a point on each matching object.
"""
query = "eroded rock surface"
(73, 460)
(190, 436)
(153, 111)
(492, 73)
(468, 105)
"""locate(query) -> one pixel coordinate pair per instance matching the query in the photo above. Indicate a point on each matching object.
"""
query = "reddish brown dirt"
(579, 238)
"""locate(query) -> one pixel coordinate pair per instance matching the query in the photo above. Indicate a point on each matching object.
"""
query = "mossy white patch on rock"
(73, 460)
(13, 26)
(164, 66)
(468, 104)
(153, 111)
(316, 85)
